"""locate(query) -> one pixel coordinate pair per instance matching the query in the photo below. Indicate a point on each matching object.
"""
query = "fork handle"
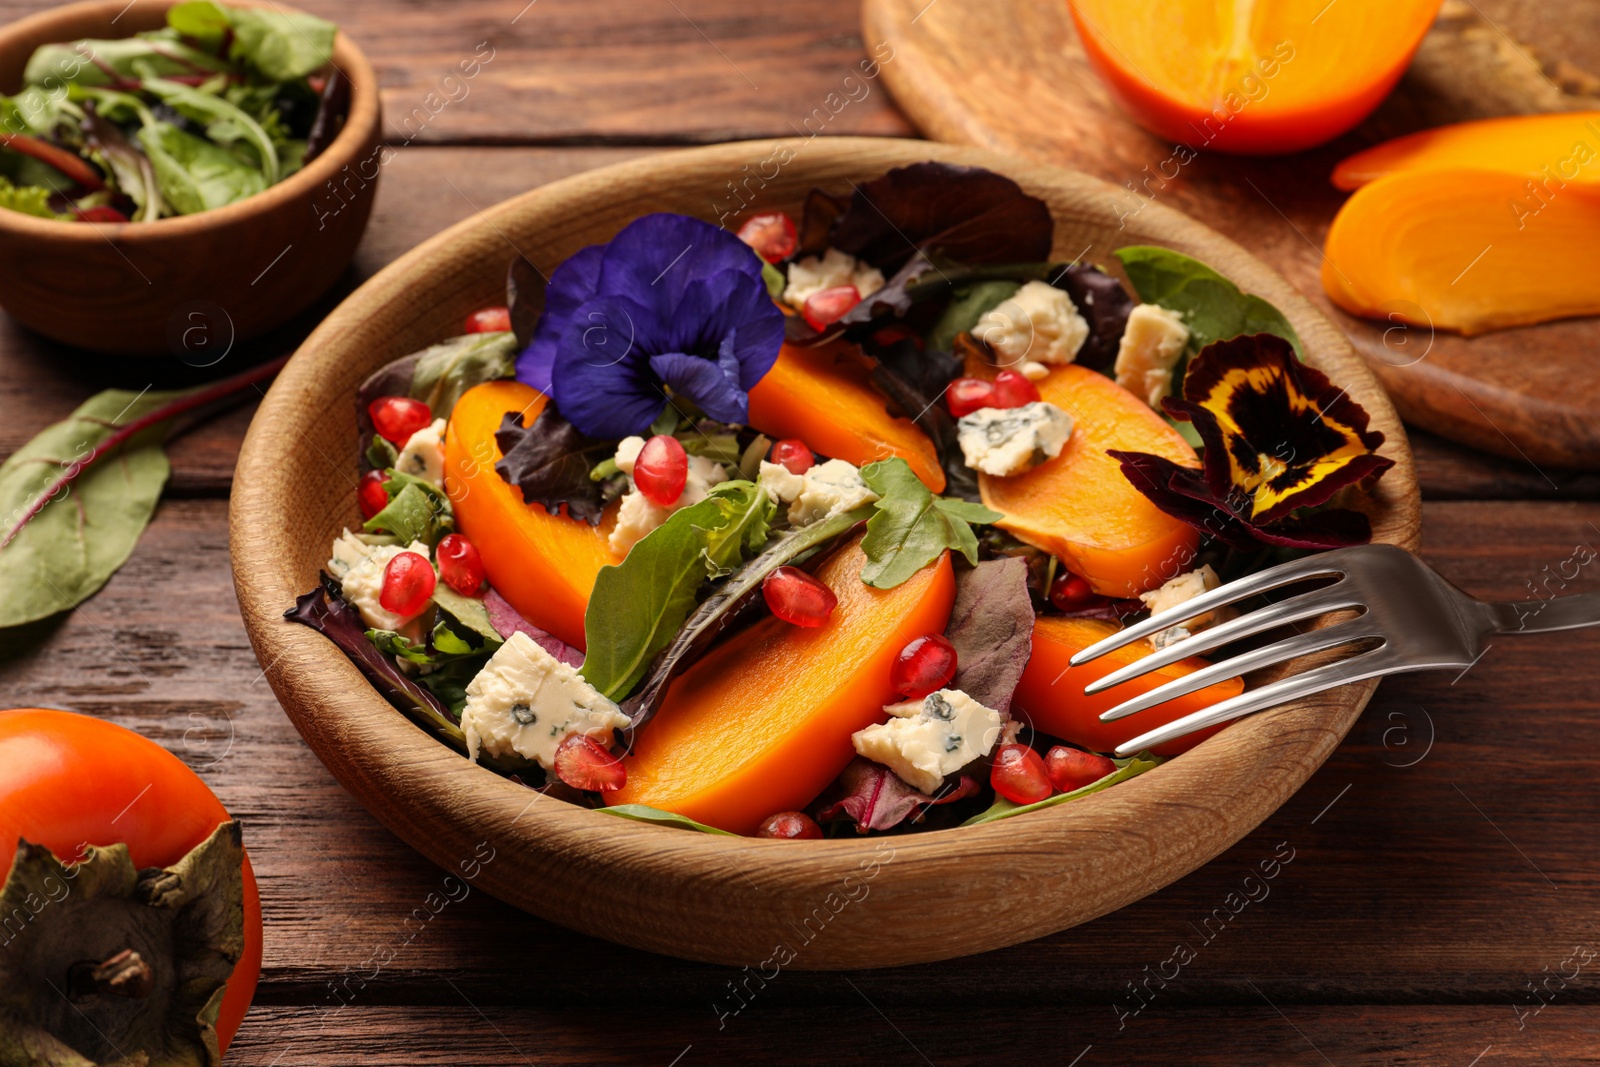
(1546, 616)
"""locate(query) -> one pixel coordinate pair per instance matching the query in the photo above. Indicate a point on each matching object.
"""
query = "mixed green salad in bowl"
(217, 106)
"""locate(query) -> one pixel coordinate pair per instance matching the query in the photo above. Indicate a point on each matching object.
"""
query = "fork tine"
(1295, 609)
(1326, 564)
(1300, 645)
(1358, 668)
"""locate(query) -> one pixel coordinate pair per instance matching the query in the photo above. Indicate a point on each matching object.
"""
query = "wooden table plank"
(610, 71)
(1397, 890)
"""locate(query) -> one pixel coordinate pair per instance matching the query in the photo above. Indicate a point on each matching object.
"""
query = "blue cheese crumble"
(638, 514)
(926, 739)
(1007, 441)
(359, 568)
(825, 490)
(1037, 327)
(423, 455)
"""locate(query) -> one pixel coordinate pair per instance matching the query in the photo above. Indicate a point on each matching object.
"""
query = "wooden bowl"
(188, 285)
(846, 903)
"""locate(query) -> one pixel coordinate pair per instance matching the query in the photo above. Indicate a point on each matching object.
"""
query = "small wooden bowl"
(189, 285)
(845, 903)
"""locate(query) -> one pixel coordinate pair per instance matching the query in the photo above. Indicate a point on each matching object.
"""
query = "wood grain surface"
(1011, 75)
(1404, 932)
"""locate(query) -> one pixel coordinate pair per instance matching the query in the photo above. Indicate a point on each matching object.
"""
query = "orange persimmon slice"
(1465, 250)
(1551, 150)
(1050, 694)
(1080, 507)
(824, 396)
(544, 565)
(762, 724)
(1253, 76)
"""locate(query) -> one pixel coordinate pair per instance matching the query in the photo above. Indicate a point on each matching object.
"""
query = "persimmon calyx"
(101, 962)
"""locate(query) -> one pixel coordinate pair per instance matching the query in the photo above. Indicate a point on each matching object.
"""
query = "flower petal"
(713, 386)
(602, 379)
(571, 284)
(654, 258)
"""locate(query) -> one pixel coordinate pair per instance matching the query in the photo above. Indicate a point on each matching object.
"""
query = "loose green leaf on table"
(638, 605)
(66, 552)
(1213, 308)
(1126, 768)
(912, 527)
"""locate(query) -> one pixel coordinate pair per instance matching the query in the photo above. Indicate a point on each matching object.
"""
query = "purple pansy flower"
(671, 301)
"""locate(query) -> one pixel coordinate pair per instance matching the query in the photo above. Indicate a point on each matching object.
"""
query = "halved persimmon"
(1251, 76)
(1551, 150)
(543, 564)
(1050, 694)
(1080, 507)
(1465, 250)
(824, 397)
(762, 724)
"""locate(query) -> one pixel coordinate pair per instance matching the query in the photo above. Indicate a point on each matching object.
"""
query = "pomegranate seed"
(1018, 774)
(460, 565)
(1073, 768)
(662, 469)
(794, 596)
(371, 494)
(793, 825)
(1012, 390)
(773, 236)
(793, 455)
(924, 666)
(489, 320)
(829, 305)
(104, 213)
(583, 763)
(396, 418)
(1070, 592)
(408, 582)
(967, 395)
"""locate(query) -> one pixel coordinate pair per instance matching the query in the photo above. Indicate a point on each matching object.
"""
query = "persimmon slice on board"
(1251, 76)
(1080, 507)
(762, 724)
(544, 565)
(1551, 150)
(1465, 250)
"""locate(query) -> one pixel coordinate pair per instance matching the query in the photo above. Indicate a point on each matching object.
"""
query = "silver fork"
(1418, 620)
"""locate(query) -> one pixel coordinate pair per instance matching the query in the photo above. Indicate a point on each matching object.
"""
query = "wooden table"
(1442, 864)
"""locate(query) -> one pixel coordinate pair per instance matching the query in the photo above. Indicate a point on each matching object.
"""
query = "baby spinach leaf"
(550, 462)
(645, 813)
(282, 45)
(443, 372)
(1213, 308)
(639, 604)
(968, 304)
(1126, 768)
(194, 174)
(728, 604)
(911, 527)
(71, 547)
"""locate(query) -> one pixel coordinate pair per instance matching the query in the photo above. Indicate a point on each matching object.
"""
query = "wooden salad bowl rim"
(71, 22)
(838, 903)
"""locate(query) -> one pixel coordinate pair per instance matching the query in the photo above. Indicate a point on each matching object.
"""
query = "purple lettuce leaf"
(873, 797)
(991, 627)
(550, 462)
(508, 620)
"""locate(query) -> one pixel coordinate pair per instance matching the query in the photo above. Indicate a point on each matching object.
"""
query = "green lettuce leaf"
(195, 175)
(225, 123)
(159, 54)
(282, 45)
(1126, 768)
(911, 526)
(417, 511)
(445, 371)
(1213, 308)
(639, 604)
(28, 199)
(200, 20)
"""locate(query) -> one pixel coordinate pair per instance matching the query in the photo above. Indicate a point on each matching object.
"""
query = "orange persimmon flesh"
(1050, 694)
(824, 396)
(1550, 150)
(1465, 250)
(1080, 507)
(762, 724)
(544, 565)
(1251, 76)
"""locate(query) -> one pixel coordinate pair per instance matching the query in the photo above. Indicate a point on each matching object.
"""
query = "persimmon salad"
(793, 531)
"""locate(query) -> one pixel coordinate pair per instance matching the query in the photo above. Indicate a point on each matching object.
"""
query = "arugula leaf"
(224, 123)
(1126, 768)
(728, 604)
(193, 174)
(28, 199)
(283, 45)
(645, 813)
(911, 527)
(69, 549)
(639, 604)
(550, 462)
(1213, 307)
(445, 371)
(417, 511)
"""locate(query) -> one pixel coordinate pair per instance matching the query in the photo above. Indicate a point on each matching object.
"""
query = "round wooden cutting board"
(1011, 75)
